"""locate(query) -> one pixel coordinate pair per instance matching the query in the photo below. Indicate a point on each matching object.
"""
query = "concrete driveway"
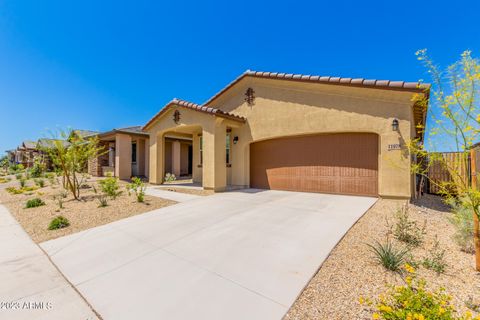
(238, 255)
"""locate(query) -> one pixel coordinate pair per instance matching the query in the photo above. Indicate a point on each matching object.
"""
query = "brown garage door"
(345, 163)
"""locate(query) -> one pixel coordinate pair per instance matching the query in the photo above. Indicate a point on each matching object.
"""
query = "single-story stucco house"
(292, 132)
(125, 153)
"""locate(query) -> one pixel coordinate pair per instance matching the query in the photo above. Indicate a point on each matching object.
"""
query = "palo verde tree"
(454, 111)
(70, 153)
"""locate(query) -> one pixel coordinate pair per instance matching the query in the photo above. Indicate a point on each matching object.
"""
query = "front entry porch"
(196, 143)
(125, 154)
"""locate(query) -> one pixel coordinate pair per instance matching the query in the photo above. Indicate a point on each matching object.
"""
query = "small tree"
(4, 163)
(70, 153)
(455, 111)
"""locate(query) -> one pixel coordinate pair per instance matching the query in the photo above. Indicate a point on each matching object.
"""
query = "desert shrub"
(14, 168)
(35, 202)
(110, 187)
(5, 180)
(138, 187)
(169, 177)
(435, 260)
(415, 302)
(22, 182)
(13, 190)
(52, 180)
(406, 229)
(28, 189)
(37, 169)
(39, 182)
(19, 176)
(102, 201)
(58, 198)
(58, 223)
(27, 174)
(462, 221)
(388, 255)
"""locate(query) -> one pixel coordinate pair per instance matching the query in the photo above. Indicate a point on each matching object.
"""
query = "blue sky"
(105, 64)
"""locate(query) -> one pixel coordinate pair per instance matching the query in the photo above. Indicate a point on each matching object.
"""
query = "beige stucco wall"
(286, 108)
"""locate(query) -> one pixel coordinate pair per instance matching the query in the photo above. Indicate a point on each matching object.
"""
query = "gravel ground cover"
(350, 272)
(83, 214)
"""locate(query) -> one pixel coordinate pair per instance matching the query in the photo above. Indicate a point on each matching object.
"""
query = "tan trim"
(194, 107)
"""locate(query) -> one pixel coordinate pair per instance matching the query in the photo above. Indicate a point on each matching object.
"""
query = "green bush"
(58, 222)
(36, 202)
(14, 168)
(407, 230)
(110, 187)
(19, 176)
(138, 187)
(37, 169)
(462, 220)
(39, 182)
(389, 256)
(413, 301)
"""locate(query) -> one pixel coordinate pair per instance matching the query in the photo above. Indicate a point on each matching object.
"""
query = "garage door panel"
(335, 163)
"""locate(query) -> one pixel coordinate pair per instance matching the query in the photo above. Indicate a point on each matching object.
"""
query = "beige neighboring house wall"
(285, 108)
(116, 159)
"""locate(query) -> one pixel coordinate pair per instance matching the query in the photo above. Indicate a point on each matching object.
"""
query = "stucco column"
(123, 156)
(176, 162)
(214, 166)
(196, 168)
(156, 163)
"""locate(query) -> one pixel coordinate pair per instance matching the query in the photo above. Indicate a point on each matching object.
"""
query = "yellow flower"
(409, 268)
(385, 308)
(361, 300)
(375, 316)
(441, 310)
(408, 280)
(421, 317)
(409, 316)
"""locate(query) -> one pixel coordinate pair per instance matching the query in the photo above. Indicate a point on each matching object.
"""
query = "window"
(134, 152)
(227, 143)
(201, 150)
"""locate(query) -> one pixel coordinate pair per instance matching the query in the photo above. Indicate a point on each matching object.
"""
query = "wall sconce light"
(395, 125)
(235, 140)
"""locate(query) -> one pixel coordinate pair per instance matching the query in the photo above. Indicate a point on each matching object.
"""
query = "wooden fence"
(442, 164)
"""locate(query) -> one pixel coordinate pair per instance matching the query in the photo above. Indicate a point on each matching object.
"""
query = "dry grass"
(82, 214)
(196, 192)
(351, 272)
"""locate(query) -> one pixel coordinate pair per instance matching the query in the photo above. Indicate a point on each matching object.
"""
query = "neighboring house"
(25, 153)
(294, 132)
(125, 153)
(83, 133)
(43, 144)
(11, 154)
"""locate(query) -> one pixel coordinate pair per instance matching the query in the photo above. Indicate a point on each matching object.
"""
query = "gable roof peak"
(354, 82)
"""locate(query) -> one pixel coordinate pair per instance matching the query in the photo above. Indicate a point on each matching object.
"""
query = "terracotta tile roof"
(196, 107)
(357, 82)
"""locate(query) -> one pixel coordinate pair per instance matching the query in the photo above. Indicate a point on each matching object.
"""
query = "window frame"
(134, 154)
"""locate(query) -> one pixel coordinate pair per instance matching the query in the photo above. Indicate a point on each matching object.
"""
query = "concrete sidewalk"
(31, 286)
